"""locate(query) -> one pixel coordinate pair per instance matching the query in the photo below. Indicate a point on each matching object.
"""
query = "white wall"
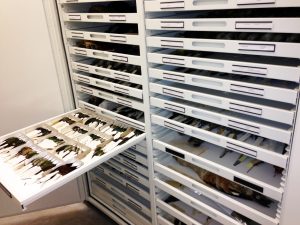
(29, 90)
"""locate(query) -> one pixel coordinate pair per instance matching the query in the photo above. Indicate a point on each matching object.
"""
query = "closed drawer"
(109, 85)
(262, 178)
(272, 156)
(254, 211)
(277, 49)
(270, 71)
(240, 104)
(85, 1)
(118, 75)
(103, 37)
(272, 25)
(110, 97)
(133, 165)
(135, 156)
(247, 124)
(101, 17)
(272, 90)
(110, 56)
(175, 5)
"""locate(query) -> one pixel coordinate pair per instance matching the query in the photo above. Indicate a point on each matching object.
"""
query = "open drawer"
(100, 35)
(181, 5)
(231, 64)
(36, 160)
(106, 55)
(278, 49)
(250, 86)
(271, 25)
(118, 75)
(187, 177)
(256, 147)
(260, 108)
(101, 17)
(110, 97)
(120, 87)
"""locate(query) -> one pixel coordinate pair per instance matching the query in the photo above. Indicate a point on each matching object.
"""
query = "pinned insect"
(10, 143)
(50, 143)
(38, 132)
(227, 186)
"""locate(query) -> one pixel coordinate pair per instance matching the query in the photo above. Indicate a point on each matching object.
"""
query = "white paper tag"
(255, 2)
(254, 25)
(172, 5)
(257, 47)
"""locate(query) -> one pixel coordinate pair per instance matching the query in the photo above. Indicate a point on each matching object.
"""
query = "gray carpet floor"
(76, 214)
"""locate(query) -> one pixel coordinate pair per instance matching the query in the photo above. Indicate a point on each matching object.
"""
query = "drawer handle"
(5, 190)
(129, 186)
(207, 137)
(207, 64)
(100, 54)
(95, 17)
(207, 116)
(98, 36)
(130, 155)
(115, 177)
(206, 166)
(130, 165)
(209, 2)
(201, 190)
(135, 205)
(210, 24)
(203, 209)
(204, 99)
(205, 44)
(204, 82)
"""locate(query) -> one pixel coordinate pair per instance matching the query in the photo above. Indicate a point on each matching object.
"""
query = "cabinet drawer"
(118, 75)
(30, 182)
(132, 175)
(123, 119)
(239, 104)
(103, 37)
(141, 149)
(201, 204)
(118, 206)
(258, 213)
(132, 165)
(141, 206)
(101, 17)
(246, 124)
(287, 94)
(272, 25)
(127, 184)
(228, 66)
(110, 56)
(261, 177)
(266, 155)
(85, 1)
(110, 97)
(131, 154)
(111, 86)
(277, 49)
(182, 5)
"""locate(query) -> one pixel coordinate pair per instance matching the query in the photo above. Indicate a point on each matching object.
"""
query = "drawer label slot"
(74, 17)
(118, 38)
(86, 90)
(177, 94)
(172, 5)
(248, 184)
(172, 152)
(244, 127)
(172, 24)
(253, 25)
(257, 47)
(124, 102)
(255, 2)
(130, 187)
(121, 90)
(247, 90)
(241, 149)
(80, 51)
(119, 58)
(245, 109)
(250, 70)
(174, 127)
(77, 35)
(174, 108)
(171, 43)
(174, 61)
(83, 80)
(117, 18)
(121, 77)
(174, 77)
(89, 108)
